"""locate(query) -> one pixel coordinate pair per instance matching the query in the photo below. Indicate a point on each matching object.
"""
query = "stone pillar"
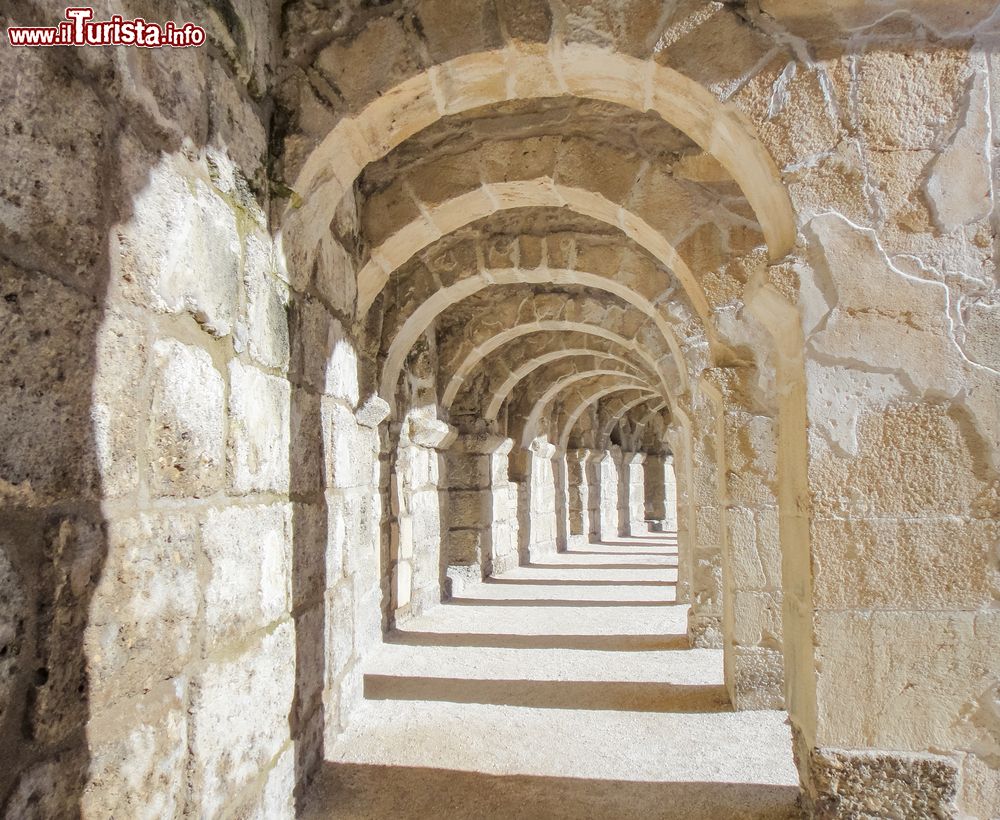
(633, 468)
(536, 501)
(705, 614)
(746, 452)
(593, 471)
(578, 497)
(419, 544)
(609, 493)
(479, 513)
(653, 492)
(669, 494)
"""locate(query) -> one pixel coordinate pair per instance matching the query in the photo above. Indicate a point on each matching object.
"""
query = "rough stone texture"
(260, 298)
(858, 784)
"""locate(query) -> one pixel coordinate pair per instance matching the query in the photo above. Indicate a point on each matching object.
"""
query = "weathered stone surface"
(186, 423)
(144, 612)
(249, 551)
(259, 430)
(855, 783)
(239, 716)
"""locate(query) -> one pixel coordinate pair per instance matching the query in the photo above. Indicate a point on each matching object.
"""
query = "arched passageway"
(581, 406)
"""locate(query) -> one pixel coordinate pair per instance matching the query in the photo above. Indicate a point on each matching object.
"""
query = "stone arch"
(479, 353)
(615, 417)
(500, 395)
(574, 415)
(543, 401)
(524, 72)
(418, 322)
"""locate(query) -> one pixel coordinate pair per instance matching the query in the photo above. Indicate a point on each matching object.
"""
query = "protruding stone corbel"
(372, 412)
(429, 432)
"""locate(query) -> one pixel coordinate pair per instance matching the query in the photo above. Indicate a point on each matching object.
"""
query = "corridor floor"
(562, 689)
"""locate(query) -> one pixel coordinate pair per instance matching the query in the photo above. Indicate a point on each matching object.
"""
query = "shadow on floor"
(619, 696)
(620, 552)
(600, 643)
(543, 602)
(551, 582)
(349, 791)
(571, 567)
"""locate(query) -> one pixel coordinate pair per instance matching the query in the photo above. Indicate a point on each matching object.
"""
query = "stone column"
(746, 452)
(653, 492)
(478, 509)
(578, 497)
(669, 494)
(633, 464)
(593, 470)
(705, 614)
(609, 493)
(419, 544)
(536, 501)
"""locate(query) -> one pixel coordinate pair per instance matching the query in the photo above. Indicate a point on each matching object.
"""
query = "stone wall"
(224, 267)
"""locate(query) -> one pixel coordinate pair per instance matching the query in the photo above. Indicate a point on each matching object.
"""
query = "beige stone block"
(138, 752)
(48, 330)
(942, 563)
(259, 430)
(144, 610)
(925, 678)
(239, 717)
(186, 421)
(249, 551)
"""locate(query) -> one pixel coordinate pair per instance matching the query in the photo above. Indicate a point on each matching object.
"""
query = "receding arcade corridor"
(559, 689)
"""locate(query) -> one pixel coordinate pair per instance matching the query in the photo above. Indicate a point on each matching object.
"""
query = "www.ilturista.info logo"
(79, 29)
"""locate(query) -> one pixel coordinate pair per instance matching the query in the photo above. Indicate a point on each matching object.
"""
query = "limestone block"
(382, 55)
(468, 508)
(49, 788)
(758, 619)
(849, 783)
(452, 28)
(958, 187)
(914, 460)
(186, 421)
(138, 755)
(348, 453)
(250, 554)
(47, 330)
(336, 537)
(909, 99)
(310, 623)
(787, 104)
(529, 21)
(629, 27)
(339, 630)
(465, 547)
(758, 678)
(736, 45)
(372, 412)
(13, 602)
(306, 459)
(51, 217)
(239, 716)
(277, 799)
(259, 430)
(928, 685)
(982, 334)
(943, 563)
(266, 323)
(144, 611)
(181, 248)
